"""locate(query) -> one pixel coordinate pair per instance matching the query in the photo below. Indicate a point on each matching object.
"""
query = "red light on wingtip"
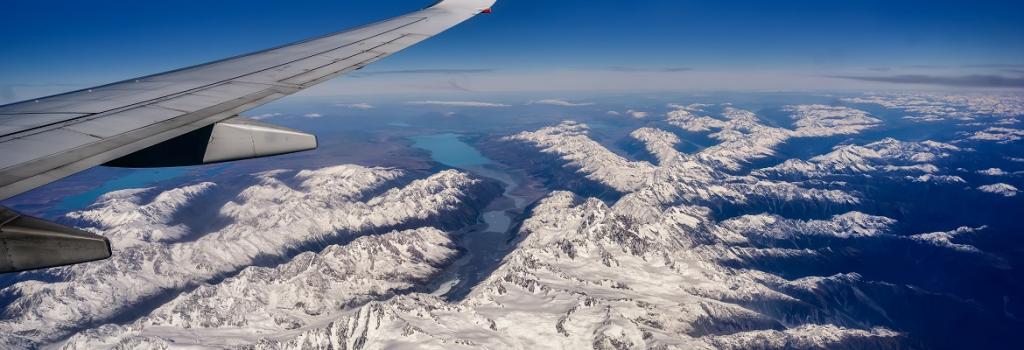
(487, 10)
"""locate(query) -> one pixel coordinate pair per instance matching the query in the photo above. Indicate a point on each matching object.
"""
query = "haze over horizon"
(541, 45)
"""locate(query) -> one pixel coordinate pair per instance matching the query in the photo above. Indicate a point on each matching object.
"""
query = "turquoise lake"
(449, 150)
(136, 178)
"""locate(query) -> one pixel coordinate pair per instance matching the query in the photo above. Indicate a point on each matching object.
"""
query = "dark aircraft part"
(28, 243)
(233, 139)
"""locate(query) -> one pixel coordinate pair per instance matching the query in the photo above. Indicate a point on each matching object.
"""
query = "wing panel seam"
(90, 116)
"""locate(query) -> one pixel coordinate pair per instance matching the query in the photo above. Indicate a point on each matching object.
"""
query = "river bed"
(487, 243)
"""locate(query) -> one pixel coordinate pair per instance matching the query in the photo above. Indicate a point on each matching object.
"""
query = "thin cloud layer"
(355, 105)
(575, 81)
(265, 116)
(560, 102)
(424, 71)
(637, 114)
(656, 70)
(976, 80)
(472, 104)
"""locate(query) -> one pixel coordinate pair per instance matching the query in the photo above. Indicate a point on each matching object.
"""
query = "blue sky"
(59, 45)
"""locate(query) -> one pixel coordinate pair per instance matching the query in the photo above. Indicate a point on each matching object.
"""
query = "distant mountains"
(701, 250)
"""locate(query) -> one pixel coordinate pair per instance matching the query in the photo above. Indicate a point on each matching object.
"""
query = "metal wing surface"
(182, 117)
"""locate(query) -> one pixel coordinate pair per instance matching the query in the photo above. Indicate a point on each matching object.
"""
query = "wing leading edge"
(46, 139)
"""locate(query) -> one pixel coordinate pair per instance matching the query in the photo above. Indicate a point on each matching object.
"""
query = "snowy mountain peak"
(268, 218)
(1002, 189)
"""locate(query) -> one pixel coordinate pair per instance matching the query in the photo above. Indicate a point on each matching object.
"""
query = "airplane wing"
(182, 117)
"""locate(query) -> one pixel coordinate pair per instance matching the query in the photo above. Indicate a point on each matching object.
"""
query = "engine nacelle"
(233, 139)
(28, 243)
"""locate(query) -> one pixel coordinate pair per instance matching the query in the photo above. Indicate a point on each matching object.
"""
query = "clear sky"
(59, 45)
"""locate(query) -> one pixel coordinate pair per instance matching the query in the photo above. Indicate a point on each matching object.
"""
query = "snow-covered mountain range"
(685, 256)
(268, 221)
